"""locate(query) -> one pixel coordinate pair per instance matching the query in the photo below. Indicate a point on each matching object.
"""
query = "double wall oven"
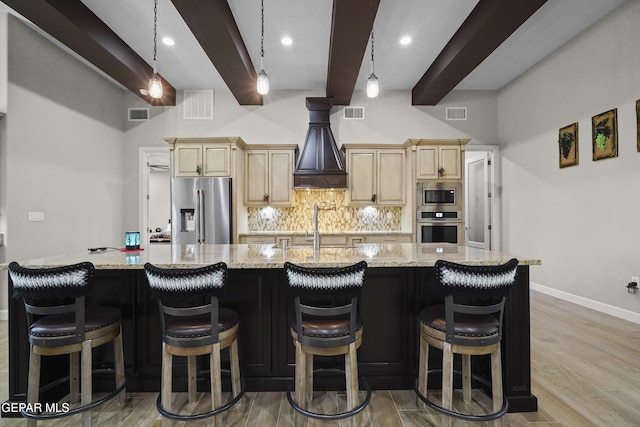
(439, 215)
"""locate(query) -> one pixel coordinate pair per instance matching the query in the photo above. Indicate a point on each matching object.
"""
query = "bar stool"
(326, 329)
(468, 323)
(191, 328)
(59, 323)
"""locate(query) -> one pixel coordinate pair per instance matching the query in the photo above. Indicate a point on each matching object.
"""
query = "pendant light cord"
(155, 33)
(372, 36)
(262, 35)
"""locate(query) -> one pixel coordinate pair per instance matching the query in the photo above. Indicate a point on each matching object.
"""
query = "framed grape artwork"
(604, 132)
(568, 145)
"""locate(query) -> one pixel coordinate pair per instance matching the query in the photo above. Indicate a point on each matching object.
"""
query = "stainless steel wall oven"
(439, 215)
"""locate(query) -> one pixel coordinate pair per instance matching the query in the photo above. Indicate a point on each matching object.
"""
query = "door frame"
(496, 191)
(144, 155)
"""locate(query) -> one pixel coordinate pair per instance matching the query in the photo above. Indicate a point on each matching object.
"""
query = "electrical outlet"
(635, 279)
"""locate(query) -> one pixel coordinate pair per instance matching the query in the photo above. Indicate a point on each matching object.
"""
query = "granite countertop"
(250, 256)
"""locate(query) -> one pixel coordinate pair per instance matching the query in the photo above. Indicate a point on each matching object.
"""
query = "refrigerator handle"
(201, 217)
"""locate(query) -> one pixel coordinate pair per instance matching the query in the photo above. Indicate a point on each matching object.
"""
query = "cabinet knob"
(373, 198)
(199, 170)
(265, 198)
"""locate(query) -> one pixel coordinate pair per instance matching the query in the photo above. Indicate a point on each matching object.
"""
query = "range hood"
(320, 164)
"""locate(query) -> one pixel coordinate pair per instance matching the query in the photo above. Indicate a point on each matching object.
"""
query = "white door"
(477, 200)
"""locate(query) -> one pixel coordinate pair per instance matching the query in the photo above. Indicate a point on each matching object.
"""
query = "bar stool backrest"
(64, 287)
(172, 287)
(483, 288)
(307, 287)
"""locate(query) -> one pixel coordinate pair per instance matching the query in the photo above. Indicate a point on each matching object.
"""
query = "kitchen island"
(399, 283)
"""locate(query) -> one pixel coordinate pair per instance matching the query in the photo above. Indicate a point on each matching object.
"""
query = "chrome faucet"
(316, 233)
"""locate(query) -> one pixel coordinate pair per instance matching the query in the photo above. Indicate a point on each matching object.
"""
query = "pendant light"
(262, 84)
(372, 83)
(155, 83)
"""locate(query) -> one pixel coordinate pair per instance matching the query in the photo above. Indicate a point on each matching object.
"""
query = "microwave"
(439, 196)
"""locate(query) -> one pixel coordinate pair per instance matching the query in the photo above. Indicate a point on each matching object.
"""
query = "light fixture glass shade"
(372, 86)
(263, 83)
(155, 86)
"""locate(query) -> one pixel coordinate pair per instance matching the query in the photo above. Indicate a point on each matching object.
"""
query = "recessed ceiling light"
(168, 41)
(286, 40)
(405, 40)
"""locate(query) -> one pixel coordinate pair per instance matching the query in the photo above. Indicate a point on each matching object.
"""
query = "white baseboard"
(4, 314)
(631, 316)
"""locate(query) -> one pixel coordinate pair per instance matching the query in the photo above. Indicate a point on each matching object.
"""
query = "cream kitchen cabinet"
(193, 160)
(205, 156)
(376, 175)
(269, 175)
(439, 162)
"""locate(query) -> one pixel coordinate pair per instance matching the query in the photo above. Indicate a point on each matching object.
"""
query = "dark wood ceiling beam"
(215, 28)
(489, 24)
(75, 26)
(350, 31)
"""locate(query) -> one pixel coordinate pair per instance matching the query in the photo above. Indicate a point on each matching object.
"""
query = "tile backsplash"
(334, 216)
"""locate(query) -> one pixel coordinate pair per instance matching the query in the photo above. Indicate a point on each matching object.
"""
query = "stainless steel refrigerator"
(201, 210)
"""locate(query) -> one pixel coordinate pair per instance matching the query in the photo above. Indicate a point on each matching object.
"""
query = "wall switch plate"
(36, 216)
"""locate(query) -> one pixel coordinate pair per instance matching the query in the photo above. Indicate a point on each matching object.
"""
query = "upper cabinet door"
(391, 177)
(188, 160)
(450, 162)
(361, 167)
(281, 177)
(216, 160)
(427, 159)
(256, 173)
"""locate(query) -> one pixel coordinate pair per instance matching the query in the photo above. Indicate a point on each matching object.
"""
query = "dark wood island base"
(392, 297)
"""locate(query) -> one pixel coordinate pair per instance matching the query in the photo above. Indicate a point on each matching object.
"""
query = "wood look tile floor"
(585, 372)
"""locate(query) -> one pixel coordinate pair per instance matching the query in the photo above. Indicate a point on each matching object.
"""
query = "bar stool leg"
(309, 378)
(351, 372)
(447, 381)
(33, 385)
(466, 378)
(86, 382)
(74, 377)
(118, 357)
(422, 370)
(165, 386)
(235, 368)
(192, 375)
(216, 383)
(300, 376)
(496, 382)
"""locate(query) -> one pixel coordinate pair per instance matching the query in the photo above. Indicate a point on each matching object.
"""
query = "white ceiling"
(430, 23)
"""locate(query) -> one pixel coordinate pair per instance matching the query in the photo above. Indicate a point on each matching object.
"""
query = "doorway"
(482, 197)
(154, 191)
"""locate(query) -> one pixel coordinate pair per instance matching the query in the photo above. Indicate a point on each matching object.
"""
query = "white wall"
(582, 221)
(62, 154)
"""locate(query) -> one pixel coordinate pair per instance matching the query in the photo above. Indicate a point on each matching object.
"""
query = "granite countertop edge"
(254, 256)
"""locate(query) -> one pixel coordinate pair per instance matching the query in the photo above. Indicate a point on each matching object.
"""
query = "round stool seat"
(464, 325)
(200, 326)
(326, 327)
(59, 325)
